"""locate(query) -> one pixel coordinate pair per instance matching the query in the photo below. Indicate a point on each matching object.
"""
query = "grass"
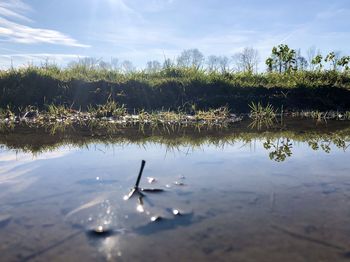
(258, 111)
(82, 87)
(111, 116)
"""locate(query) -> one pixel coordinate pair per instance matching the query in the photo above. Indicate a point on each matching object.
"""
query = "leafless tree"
(127, 66)
(153, 66)
(104, 65)
(311, 54)
(87, 62)
(168, 63)
(300, 61)
(224, 64)
(191, 58)
(247, 60)
(115, 63)
(213, 63)
(218, 64)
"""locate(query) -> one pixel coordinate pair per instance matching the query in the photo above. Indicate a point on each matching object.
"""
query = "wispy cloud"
(18, 32)
(36, 58)
(15, 9)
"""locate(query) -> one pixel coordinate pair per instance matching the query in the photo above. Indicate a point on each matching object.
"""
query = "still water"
(266, 196)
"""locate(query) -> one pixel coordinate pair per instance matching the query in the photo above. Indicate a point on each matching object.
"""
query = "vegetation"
(277, 140)
(291, 81)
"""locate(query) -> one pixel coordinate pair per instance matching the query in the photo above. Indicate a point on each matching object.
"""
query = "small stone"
(176, 212)
(151, 180)
(155, 218)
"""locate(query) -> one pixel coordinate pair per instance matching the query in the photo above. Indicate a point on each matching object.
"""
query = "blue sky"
(142, 30)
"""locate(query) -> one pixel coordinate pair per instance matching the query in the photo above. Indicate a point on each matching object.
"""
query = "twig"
(140, 174)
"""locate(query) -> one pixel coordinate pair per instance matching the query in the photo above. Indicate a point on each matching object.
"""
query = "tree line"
(282, 59)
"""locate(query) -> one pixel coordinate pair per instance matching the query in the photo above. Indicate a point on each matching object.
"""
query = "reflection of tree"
(281, 149)
(325, 144)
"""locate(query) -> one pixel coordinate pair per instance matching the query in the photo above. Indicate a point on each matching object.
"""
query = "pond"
(239, 194)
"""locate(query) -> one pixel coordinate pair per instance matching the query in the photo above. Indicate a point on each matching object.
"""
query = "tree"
(213, 63)
(332, 58)
(218, 63)
(270, 64)
(344, 63)
(300, 61)
(311, 54)
(114, 63)
(191, 58)
(104, 65)
(86, 62)
(127, 66)
(317, 62)
(247, 60)
(153, 66)
(168, 63)
(282, 59)
(224, 64)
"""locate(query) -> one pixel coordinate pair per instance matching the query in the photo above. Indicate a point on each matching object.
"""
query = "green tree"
(344, 63)
(282, 59)
(317, 62)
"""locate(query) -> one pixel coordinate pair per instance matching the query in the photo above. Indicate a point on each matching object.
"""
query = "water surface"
(235, 195)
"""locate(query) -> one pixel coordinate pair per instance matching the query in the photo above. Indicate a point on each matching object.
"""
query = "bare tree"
(213, 63)
(104, 65)
(153, 66)
(168, 63)
(247, 60)
(300, 61)
(115, 63)
(224, 64)
(311, 53)
(87, 62)
(127, 66)
(191, 58)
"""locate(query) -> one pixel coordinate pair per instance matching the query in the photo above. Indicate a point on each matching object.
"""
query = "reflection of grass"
(41, 139)
(262, 123)
(262, 116)
(111, 116)
(258, 111)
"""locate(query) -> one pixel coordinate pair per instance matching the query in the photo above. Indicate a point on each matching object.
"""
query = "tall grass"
(172, 87)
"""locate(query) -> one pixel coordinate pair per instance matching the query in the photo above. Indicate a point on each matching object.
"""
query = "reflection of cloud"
(87, 205)
(15, 166)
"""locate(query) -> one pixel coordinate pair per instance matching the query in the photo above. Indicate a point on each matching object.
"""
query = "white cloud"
(17, 32)
(16, 60)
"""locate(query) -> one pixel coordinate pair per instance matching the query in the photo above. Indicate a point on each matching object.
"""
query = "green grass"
(80, 87)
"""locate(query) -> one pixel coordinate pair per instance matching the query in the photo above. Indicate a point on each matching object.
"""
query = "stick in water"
(140, 174)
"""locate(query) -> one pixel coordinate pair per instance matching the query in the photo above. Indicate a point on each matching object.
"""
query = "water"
(235, 195)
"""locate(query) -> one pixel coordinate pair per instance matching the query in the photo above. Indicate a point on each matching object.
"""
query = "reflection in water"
(185, 140)
(281, 149)
(220, 197)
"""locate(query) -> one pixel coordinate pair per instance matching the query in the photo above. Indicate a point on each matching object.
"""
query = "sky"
(142, 30)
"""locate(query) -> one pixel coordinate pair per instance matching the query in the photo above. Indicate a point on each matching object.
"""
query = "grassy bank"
(173, 88)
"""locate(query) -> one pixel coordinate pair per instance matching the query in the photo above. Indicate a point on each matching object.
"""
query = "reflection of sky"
(86, 186)
(14, 166)
(243, 163)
